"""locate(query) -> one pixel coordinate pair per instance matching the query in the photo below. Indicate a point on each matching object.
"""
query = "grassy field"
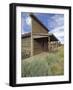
(44, 64)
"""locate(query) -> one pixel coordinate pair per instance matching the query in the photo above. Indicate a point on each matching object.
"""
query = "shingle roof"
(52, 37)
(26, 35)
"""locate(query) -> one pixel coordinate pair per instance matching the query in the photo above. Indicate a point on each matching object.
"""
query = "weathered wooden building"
(53, 43)
(35, 41)
(39, 37)
(38, 40)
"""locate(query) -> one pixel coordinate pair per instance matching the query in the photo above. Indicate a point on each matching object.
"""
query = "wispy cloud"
(59, 33)
(58, 29)
(57, 26)
(25, 23)
(28, 20)
(56, 20)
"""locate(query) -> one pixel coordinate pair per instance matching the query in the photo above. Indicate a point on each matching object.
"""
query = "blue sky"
(54, 23)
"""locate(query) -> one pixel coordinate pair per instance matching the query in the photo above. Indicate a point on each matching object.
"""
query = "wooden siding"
(37, 28)
(53, 45)
(39, 37)
(40, 45)
(26, 47)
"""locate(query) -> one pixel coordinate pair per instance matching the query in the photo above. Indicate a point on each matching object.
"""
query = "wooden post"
(31, 41)
(56, 44)
(32, 45)
(49, 44)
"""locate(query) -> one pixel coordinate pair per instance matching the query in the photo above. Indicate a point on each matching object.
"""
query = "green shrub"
(52, 64)
(35, 68)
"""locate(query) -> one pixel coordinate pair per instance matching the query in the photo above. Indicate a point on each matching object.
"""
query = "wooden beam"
(37, 36)
(49, 44)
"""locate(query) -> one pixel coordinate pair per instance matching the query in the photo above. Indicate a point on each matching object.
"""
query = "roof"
(34, 17)
(52, 37)
(36, 35)
(25, 35)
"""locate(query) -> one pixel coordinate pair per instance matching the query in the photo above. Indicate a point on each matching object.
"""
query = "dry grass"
(44, 64)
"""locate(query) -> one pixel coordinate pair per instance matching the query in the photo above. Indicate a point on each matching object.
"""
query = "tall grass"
(51, 64)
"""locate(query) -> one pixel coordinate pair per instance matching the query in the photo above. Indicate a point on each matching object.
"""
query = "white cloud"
(56, 21)
(24, 32)
(22, 25)
(59, 33)
(58, 24)
(59, 19)
(28, 20)
(26, 24)
(58, 29)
